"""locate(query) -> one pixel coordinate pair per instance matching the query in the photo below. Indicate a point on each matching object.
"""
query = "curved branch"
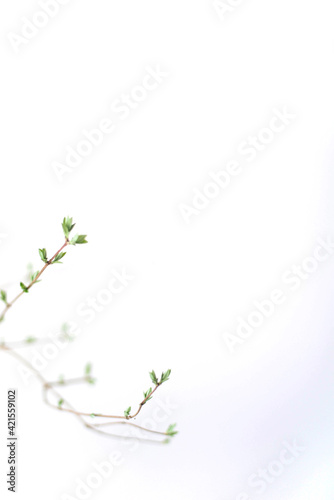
(49, 386)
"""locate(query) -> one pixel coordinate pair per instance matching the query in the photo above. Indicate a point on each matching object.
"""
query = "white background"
(191, 281)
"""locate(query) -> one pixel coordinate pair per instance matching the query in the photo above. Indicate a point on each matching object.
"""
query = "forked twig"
(49, 387)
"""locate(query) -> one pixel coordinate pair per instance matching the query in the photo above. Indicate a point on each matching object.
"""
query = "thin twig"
(71, 381)
(49, 262)
(49, 387)
(102, 415)
(20, 344)
(104, 424)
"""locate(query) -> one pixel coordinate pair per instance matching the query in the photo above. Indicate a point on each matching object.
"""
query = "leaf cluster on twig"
(62, 404)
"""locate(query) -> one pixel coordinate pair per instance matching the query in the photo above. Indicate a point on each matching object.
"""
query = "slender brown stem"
(17, 344)
(66, 405)
(119, 436)
(87, 378)
(103, 415)
(82, 413)
(48, 263)
(144, 401)
(70, 381)
(49, 387)
(43, 381)
(129, 423)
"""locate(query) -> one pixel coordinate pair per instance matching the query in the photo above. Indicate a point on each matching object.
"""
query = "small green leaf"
(30, 340)
(92, 415)
(3, 296)
(58, 258)
(127, 412)
(147, 393)
(43, 254)
(91, 380)
(61, 379)
(165, 376)
(74, 239)
(34, 276)
(67, 226)
(79, 239)
(65, 332)
(88, 369)
(170, 431)
(65, 327)
(60, 403)
(30, 271)
(154, 377)
(24, 288)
